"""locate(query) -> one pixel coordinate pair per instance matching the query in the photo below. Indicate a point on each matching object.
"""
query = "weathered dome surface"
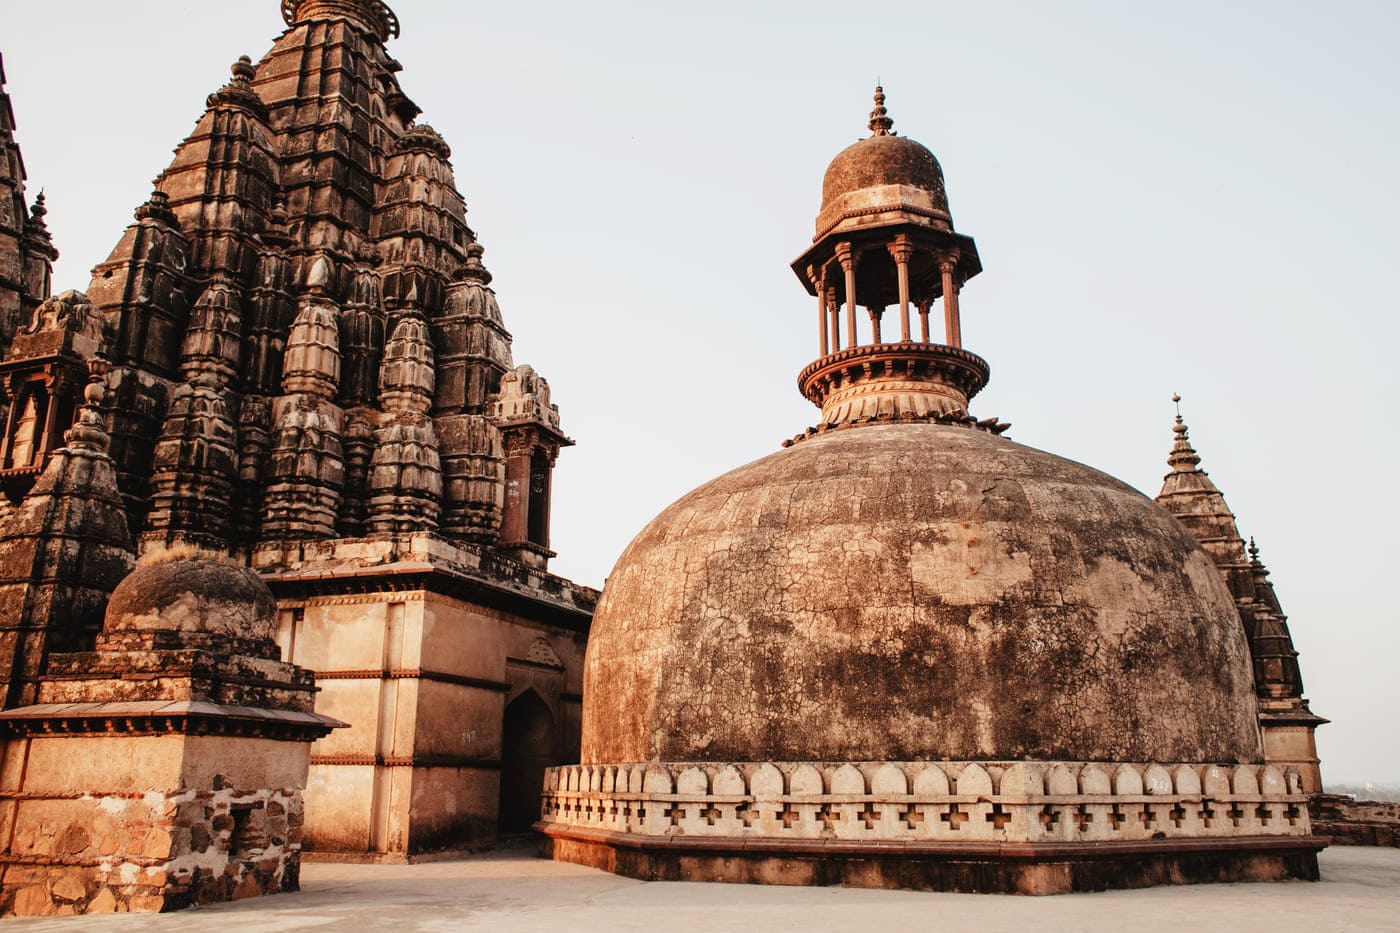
(916, 591)
(883, 171)
(194, 596)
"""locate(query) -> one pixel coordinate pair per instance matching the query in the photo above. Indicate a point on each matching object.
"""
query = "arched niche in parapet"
(1127, 781)
(1061, 782)
(729, 783)
(1020, 781)
(1215, 782)
(693, 783)
(1245, 781)
(974, 779)
(931, 782)
(1094, 781)
(767, 782)
(657, 781)
(1156, 780)
(807, 782)
(1272, 782)
(1187, 780)
(848, 780)
(889, 781)
(528, 747)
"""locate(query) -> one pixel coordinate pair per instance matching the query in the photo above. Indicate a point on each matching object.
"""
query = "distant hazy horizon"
(1198, 198)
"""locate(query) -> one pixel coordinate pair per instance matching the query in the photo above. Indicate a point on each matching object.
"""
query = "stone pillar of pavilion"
(885, 242)
(1288, 725)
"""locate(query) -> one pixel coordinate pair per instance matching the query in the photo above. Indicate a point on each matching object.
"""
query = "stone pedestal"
(165, 768)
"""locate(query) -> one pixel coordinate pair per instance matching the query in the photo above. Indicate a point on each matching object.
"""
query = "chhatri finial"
(1184, 458)
(880, 122)
(1253, 550)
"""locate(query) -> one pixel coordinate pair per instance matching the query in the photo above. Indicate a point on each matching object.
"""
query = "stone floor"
(512, 892)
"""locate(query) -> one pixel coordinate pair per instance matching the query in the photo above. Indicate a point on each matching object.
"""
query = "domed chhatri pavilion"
(906, 651)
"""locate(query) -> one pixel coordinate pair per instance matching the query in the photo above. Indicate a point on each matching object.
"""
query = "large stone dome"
(916, 591)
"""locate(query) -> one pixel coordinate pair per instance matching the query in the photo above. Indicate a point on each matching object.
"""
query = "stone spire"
(884, 252)
(327, 241)
(1287, 724)
(1189, 494)
(27, 253)
(306, 467)
(406, 473)
(196, 458)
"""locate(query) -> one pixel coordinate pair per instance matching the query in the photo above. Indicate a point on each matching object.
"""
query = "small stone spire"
(239, 91)
(37, 239)
(881, 124)
(89, 432)
(473, 269)
(1184, 458)
(157, 207)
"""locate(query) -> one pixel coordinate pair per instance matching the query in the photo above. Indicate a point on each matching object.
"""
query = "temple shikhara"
(275, 505)
(291, 372)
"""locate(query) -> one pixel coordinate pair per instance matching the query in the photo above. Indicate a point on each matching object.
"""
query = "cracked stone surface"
(917, 591)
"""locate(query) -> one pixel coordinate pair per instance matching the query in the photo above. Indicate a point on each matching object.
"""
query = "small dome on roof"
(880, 174)
(193, 596)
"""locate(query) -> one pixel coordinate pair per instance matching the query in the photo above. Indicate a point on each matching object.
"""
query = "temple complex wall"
(429, 682)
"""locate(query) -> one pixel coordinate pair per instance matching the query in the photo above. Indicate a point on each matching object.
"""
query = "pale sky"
(1198, 197)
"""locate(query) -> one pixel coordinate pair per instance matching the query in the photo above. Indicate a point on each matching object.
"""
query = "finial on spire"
(90, 431)
(243, 70)
(1253, 550)
(880, 122)
(474, 270)
(1184, 458)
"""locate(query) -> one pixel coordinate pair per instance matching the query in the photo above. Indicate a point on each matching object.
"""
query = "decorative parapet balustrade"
(943, 802)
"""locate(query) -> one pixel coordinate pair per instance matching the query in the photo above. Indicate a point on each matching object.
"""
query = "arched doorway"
(527, 748)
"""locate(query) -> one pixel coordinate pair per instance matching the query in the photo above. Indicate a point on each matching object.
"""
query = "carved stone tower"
(310, 375)
(1288, 725)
